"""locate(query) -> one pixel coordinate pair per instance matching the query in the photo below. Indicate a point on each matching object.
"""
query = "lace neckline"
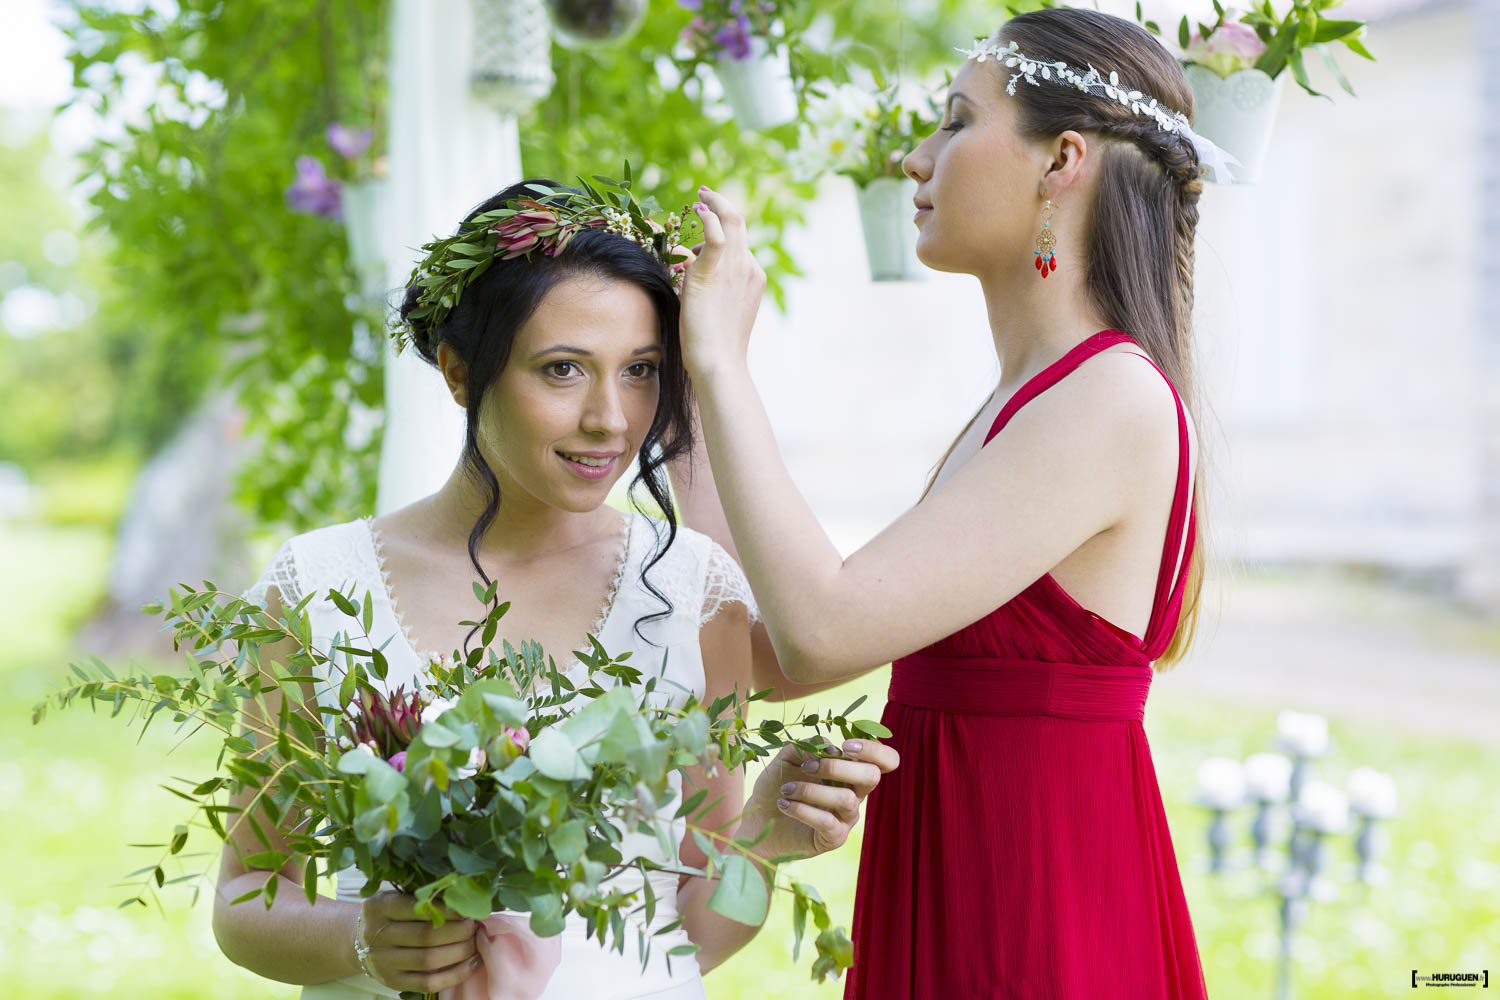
(432, 656)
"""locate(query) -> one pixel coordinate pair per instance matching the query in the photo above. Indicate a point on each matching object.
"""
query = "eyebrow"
(569, 349)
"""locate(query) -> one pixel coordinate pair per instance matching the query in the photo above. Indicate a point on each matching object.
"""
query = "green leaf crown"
(546, 223)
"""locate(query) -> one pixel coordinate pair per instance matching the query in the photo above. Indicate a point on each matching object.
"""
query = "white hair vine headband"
(1092, 82)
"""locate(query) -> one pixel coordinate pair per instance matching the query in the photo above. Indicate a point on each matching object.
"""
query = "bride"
(568, 366)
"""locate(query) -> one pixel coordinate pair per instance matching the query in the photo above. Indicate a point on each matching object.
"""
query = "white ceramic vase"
(759, 88)
(1237, 113)
(885, 214)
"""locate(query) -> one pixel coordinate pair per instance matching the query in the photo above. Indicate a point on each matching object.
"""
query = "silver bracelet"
(361, 948)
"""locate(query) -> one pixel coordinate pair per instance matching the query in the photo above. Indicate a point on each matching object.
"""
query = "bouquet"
(497, 784)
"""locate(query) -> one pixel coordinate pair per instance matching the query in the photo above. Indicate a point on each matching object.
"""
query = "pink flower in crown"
(533, 226)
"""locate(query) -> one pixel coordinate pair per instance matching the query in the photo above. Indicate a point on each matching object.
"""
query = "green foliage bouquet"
(497, 785)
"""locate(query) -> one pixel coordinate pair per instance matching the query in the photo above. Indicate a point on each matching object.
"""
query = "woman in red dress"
(1021, 849)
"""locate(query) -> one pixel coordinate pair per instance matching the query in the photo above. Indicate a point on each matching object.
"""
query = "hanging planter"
(864, 137)
(354, 195)
(758, 86)
(749, 50)
(1237, 113)
(1237, 66)
(885, 211)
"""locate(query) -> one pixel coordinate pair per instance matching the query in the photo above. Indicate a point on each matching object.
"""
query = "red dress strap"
(1171, 578)
(1055, 373)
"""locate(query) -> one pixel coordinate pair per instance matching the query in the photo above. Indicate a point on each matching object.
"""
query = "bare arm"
(700, 508)
(1072, 464)
(300, 942)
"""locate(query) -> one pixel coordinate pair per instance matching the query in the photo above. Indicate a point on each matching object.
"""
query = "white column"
(448, 152)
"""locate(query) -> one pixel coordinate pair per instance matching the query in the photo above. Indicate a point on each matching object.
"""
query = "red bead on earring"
(1046, 243)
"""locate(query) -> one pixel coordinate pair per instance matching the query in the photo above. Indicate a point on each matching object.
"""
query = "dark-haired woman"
(1022, 849)
(569, 370)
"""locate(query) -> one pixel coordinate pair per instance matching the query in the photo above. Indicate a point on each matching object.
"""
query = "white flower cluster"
(835, 133)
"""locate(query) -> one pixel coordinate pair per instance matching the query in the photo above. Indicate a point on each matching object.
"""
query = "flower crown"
(1094, 82)
(546, 222)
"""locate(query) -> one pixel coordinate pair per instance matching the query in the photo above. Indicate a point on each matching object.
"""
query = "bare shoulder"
(1115, 405)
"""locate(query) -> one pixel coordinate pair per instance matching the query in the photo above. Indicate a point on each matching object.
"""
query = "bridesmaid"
(1050, 568)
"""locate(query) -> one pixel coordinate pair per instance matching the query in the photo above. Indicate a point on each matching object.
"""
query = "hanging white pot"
(363, 207)
(511, 66)
(1237, 113)
(759, 87)
(885, 214)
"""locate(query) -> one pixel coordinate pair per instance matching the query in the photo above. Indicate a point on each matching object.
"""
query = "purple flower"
(349, 142)
(690, 4)
(314, 192)
(398, 760)
(734, 37)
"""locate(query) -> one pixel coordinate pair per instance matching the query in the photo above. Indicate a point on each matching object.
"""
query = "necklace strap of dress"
(1055, 373)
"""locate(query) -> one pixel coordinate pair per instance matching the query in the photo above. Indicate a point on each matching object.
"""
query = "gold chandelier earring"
(1046, 243)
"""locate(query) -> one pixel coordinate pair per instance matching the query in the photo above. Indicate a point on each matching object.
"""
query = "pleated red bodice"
(1021, 849)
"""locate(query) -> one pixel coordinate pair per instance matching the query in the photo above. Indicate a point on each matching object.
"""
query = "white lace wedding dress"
(699, 578)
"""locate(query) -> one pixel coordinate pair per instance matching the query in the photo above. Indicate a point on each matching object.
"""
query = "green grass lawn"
(78, 788)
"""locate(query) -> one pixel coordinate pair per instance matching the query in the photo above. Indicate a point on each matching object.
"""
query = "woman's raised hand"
(822, 795)
(408, 953)
(721, 289)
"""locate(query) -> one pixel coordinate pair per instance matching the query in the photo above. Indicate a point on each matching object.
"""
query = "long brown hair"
(1139, 256)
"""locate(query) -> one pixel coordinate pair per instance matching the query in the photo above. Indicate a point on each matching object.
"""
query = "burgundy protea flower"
(388, 721)
(534, 225)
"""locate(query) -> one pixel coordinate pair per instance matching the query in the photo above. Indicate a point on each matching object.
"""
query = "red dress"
(1021, 849)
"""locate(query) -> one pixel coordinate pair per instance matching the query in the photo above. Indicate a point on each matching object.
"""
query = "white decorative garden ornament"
(1237, 113)
(885, 214)
(512, 50)
(759, 88)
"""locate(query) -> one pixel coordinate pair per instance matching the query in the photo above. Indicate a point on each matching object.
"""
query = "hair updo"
(1138, 259)
(482, 326)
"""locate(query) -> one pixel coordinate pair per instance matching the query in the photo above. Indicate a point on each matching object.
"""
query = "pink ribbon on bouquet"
(517, 963)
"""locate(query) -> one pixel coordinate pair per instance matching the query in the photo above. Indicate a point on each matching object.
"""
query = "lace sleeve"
(281, 574)
(723, 583)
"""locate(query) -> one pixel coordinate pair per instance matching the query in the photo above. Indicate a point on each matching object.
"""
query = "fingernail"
(854, 746)
(783, 804)
(702, 188)
(788, 788)
(810, 766)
